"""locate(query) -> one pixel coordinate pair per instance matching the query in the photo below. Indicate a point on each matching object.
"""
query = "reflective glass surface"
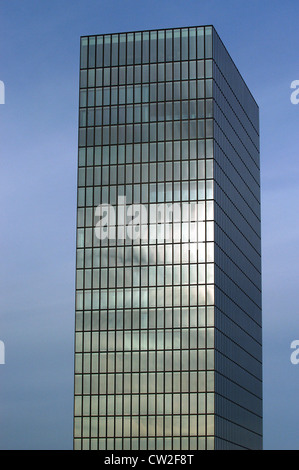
(167, 341)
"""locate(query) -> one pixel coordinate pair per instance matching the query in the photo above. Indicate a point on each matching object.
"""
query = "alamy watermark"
(2, 101)
(295, 94)
(295, 354)
(2, 353)
(2, 92)
(181, 222)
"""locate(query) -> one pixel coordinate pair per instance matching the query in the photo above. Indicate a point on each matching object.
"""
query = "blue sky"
(39, 61)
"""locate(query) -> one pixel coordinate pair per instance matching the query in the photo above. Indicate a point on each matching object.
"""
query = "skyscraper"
(168, 346)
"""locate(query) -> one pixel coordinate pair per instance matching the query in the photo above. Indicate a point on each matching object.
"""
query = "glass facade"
(168, 328)
(238, 333)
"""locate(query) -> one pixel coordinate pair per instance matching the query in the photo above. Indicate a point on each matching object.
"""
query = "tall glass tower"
(168, 343)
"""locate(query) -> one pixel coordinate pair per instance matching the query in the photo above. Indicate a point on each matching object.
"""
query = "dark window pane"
(145, 48)
(200, 43)
(153, 46)
(137, 48)
(91, 55)
(184, 54)
(83, 78)
(122, 49)
(176, 44)
(130, 48)
(208, 42)
(192, 43)
(99, 53)
(161, 46)
(107, 50)
(84, 49)
(114, 49)
(169, 46)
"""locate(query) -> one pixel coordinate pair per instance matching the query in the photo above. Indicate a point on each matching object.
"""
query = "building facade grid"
(157, 341)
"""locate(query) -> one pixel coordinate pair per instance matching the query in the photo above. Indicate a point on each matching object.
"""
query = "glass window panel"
(208, 42)
(153, 46)
(130, 48)
(184, 51)
(99, 51)
(122, 49)
(176, 44)
(84, 50)
(200, 43)
(161, 46)
(137, 48)
(107, 50)
(169, 45)
(145, 47)
(91, 55)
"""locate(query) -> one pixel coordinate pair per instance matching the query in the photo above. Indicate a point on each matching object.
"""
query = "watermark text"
(2, 353)
(163, 222)
(295, 93)
(295, 354)
(2, 92)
